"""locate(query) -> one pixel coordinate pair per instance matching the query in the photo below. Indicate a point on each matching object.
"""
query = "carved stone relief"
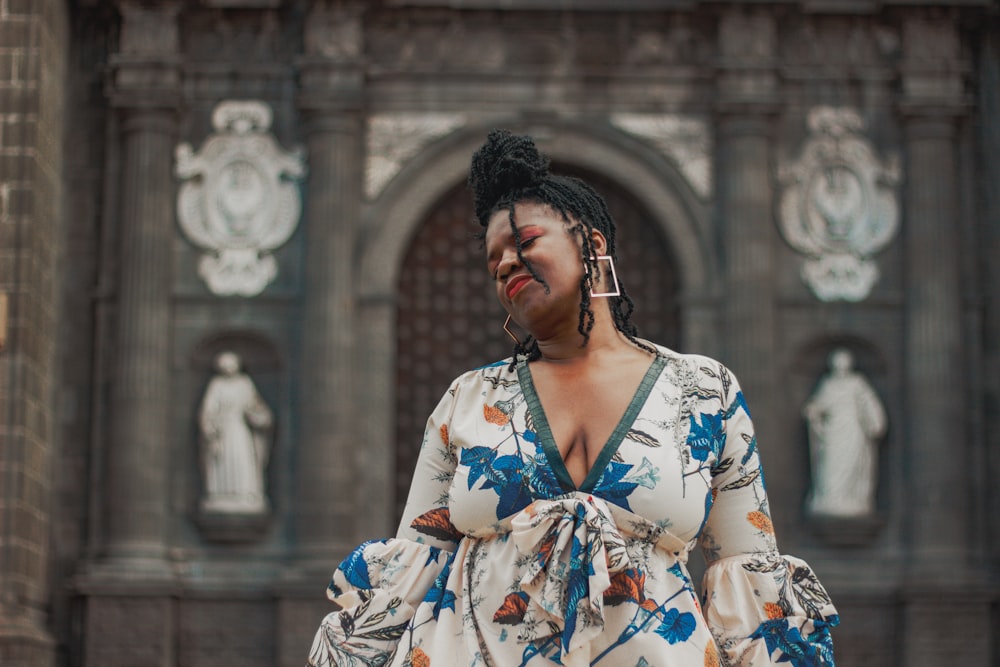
(335, 32)
(684, 140)
(839, 206)
(394, 138)
(239, 200)
(148, 30)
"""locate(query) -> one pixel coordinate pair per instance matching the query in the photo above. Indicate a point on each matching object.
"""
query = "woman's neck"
(569, 345)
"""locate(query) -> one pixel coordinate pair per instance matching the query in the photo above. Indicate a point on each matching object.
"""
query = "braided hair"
(509, 169)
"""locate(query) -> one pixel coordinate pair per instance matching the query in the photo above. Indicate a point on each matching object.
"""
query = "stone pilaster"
(936, 438)
(328, 513)
(140, 442)
(746, 106)
(129, 587)
(326, 508)
(936, 435)
(144, 89)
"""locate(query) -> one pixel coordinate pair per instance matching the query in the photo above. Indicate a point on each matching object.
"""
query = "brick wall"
(33, 37)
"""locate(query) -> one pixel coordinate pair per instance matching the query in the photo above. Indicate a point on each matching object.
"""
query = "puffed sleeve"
(426, 517)
(377, 589)
(762, 607)
(380, 584)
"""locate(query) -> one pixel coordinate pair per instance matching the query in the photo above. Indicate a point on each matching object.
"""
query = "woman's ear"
(599, 242)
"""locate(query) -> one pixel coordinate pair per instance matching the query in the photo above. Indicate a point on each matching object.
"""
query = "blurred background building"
(284, 180)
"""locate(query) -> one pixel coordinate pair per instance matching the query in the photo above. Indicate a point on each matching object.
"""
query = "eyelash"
(525, 243)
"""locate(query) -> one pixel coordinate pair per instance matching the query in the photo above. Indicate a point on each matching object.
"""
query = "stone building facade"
(283, 179)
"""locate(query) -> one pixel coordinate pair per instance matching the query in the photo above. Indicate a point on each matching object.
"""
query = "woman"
(558, 493)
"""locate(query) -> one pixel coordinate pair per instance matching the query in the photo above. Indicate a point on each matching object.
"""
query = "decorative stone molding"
(394, 138)
(684, 140)
(239, 201)
(335, 32)
(839, 205)
(149, 30)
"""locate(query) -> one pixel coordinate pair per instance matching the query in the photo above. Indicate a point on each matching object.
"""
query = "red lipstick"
(516, 284)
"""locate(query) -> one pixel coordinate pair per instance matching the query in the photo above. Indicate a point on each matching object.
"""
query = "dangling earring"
(506, 327)
(614, 278)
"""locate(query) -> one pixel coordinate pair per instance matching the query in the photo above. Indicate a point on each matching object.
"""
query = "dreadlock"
(509, 169)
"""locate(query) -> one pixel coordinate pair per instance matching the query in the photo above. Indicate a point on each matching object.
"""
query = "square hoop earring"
(614, 278)
(506, 327)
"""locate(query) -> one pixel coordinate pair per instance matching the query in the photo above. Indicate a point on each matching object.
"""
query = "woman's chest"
(507, 459)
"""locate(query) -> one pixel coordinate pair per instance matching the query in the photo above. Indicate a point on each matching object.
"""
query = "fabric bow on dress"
(574, 547)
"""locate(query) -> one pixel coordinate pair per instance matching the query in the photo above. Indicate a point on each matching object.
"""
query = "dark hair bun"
(504, 165)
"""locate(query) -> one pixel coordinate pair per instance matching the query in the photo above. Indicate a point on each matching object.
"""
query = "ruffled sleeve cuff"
(765, 608)
(377, 588)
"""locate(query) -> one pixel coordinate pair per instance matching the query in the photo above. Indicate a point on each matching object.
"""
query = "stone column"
(145, 92)
(745, 112)
(931, 232)
(327, 512)
(140, 442)
(326, 508)
(939, 483)
(128, 590)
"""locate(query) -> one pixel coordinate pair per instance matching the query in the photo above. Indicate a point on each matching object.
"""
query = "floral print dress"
(501, 561)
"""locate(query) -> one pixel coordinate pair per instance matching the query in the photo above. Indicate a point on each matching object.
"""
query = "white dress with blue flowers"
(501, 561)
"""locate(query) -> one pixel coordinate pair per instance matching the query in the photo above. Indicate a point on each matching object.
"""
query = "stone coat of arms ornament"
(239, 200)
(839, 206)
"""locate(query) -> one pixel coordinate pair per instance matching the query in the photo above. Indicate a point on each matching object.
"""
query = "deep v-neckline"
(548, 442)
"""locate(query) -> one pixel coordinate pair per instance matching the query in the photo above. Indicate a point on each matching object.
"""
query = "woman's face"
(555, 255)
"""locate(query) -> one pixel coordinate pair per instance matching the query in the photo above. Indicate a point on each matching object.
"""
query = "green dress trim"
(544, 432)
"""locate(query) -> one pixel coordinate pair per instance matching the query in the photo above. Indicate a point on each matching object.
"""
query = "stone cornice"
(329, 85)
(810, 6)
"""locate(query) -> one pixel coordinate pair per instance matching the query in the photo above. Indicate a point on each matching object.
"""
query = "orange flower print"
(444, 433)
(495, 415)
(773, 611)
(419, 659)
(761, 521)
(711, 655)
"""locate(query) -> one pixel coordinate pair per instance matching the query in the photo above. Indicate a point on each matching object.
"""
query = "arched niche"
(809, 364)
(261, 359)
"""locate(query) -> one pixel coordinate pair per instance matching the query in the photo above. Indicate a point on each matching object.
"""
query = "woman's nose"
(508, 262)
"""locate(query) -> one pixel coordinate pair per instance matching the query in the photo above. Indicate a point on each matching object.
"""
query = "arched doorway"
(449, 321)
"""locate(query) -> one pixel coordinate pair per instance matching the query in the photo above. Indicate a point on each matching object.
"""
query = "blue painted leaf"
(355, 567)
(611, 487)
(778, 635)
(514, 497)
(479, 460)
(706, 437)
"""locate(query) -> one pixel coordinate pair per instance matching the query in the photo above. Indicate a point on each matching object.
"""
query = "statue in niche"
(845, 419)
(235, 425)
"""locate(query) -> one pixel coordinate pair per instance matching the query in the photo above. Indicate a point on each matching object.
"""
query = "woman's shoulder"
(689, 359)
(698, 369)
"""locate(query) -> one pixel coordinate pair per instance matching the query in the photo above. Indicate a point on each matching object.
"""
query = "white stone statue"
(846, 420)
(235, 428)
